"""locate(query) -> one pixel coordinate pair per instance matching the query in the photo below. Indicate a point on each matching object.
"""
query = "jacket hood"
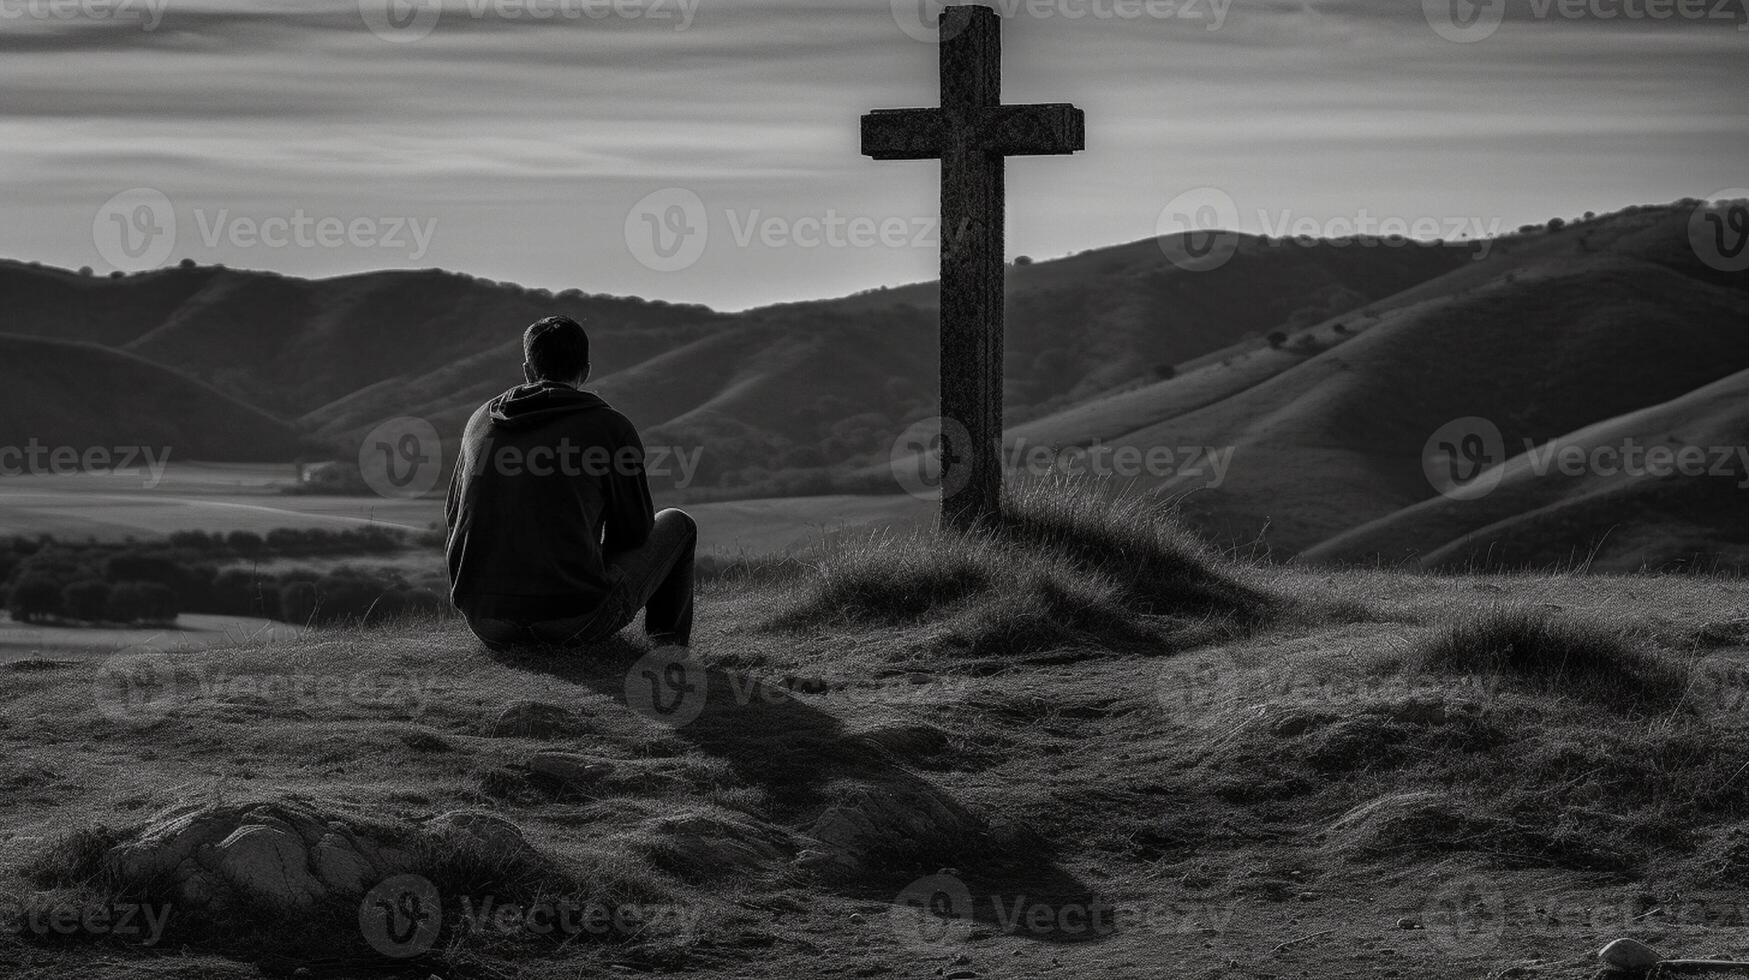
(530, 405)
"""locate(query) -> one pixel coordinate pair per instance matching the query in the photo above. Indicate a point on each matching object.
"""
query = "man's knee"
(678, 523)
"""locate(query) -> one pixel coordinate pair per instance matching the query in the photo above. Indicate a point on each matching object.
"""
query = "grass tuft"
(1559, 656)
(1069, 566)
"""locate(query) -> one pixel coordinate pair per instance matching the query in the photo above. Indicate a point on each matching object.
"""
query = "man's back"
(548, 478)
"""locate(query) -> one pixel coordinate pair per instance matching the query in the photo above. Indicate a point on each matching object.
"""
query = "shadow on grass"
(806, 765)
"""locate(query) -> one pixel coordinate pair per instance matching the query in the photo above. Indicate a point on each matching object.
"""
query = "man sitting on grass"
(552, 538)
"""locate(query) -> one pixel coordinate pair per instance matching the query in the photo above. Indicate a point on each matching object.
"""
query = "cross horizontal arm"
(1033, 130)
(1008, 130)
(903, 134)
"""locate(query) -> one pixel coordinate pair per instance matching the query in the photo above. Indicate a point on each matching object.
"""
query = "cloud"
(540, 132)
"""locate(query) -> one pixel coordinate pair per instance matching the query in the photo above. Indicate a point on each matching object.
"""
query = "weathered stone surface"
(269, 865)
(570, 770)
(278, 855)
(536, 719)
(1628, 954)
(340, 866)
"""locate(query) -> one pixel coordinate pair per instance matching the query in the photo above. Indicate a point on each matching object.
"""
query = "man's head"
(556, 349)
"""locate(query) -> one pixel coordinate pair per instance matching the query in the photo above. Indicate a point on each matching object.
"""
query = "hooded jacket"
(549, 480)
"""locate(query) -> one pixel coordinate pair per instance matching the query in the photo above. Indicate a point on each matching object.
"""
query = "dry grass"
(1221, 759)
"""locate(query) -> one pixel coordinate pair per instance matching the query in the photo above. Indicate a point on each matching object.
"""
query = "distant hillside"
(1541, 519)
(1551, 334)
(1321, 368)
(791, 393)
(78, 395)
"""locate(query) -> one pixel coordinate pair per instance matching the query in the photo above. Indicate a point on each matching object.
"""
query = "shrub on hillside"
(246, 544)
(141, 602)
(34, 598)
(240, 592)
(86, 599)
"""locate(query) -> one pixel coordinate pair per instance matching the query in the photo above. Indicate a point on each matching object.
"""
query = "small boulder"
(269, 865)
(536, 719)
(1629, 954)
(340, 866)
(571, 771)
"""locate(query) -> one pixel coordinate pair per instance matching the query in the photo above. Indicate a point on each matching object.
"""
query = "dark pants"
(655, 577)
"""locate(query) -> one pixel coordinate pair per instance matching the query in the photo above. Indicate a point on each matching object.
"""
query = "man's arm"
(630, 513)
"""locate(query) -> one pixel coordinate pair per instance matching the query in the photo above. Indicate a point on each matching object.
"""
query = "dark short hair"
(556, 349)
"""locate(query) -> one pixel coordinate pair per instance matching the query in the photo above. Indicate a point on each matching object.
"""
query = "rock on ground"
(280, 855)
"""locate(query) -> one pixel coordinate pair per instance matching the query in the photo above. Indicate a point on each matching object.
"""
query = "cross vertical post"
(973, 247)
(972, 133)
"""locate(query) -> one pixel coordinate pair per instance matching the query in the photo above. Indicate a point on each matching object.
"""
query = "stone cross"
(972, 134)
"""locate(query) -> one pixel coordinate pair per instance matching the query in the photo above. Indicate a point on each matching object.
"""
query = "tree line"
(49, 581)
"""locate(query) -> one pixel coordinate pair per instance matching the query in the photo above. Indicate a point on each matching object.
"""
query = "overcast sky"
(516, 139)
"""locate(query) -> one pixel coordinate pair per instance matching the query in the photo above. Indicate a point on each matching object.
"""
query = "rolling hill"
(67, 394)
(1551, 334)
(1322, 368)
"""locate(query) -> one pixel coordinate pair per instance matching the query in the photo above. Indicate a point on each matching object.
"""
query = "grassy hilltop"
(1081, 747)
